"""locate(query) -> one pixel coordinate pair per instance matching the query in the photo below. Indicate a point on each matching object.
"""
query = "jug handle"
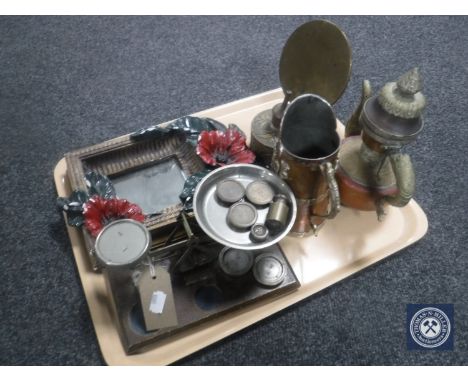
(335, 202)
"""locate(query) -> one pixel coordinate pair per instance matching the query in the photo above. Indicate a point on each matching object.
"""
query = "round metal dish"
(268, 270)
(234, 262)
(122, 243)
(211, 215)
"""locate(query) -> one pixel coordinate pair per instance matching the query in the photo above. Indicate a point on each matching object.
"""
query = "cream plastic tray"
(351, 242)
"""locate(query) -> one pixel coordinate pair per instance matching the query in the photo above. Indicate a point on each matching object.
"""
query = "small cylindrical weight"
(258, 233)
(277, 214)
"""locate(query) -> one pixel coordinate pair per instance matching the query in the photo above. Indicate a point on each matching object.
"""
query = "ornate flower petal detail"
(186, 196)
(245, 156)
(218, 148)
(206, 145)
(99, 185)
(190, 126)
(73, 207)
(99, 211)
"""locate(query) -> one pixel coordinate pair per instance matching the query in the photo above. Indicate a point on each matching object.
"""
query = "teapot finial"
(410, 83)
(404, 98)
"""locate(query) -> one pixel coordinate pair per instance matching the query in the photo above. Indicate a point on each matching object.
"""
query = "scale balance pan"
(211, 214)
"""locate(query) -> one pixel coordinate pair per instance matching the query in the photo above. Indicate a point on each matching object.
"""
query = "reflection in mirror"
(153, 188)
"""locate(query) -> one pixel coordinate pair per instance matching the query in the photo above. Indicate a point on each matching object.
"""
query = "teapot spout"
(352, 126)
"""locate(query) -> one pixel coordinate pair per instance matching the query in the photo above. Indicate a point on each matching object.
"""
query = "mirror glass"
(153, 188)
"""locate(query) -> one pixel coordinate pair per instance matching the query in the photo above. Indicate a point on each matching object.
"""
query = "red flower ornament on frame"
(98, 212)
(218, 148)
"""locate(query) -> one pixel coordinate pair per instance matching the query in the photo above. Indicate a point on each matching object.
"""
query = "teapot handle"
(405, 179)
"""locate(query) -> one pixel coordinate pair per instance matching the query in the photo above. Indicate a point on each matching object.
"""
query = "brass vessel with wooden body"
(372, 169)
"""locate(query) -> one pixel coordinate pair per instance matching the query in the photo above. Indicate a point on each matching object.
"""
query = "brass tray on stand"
(351, 242)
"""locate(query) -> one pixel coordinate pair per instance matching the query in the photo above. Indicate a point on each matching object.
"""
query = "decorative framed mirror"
(148, 172)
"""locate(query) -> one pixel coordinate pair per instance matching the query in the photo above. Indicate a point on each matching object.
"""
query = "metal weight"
(230, 191)
(258, 233)
(235, 262)
(277, 214)
(259, 193)
(268, 270)
(242, 215)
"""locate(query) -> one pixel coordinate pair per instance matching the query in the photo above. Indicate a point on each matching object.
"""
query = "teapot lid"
(394, 116)
(403, 98)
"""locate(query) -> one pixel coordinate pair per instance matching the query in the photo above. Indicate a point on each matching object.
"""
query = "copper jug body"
(305, 157)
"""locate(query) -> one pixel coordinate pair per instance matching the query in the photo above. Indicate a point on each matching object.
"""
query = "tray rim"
(195, 340)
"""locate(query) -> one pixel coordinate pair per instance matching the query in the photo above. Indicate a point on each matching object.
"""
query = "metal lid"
(230, 191)
(268, 270)
(403, 98)
(394, 116)
(281, 198)
(122, 243)
(316, 59)
(386, 128)
(259, 192)
(242, 215)
(258, 232)
(235, 262)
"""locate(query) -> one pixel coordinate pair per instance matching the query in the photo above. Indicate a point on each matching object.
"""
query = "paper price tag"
(157, 299)
(157, 302)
